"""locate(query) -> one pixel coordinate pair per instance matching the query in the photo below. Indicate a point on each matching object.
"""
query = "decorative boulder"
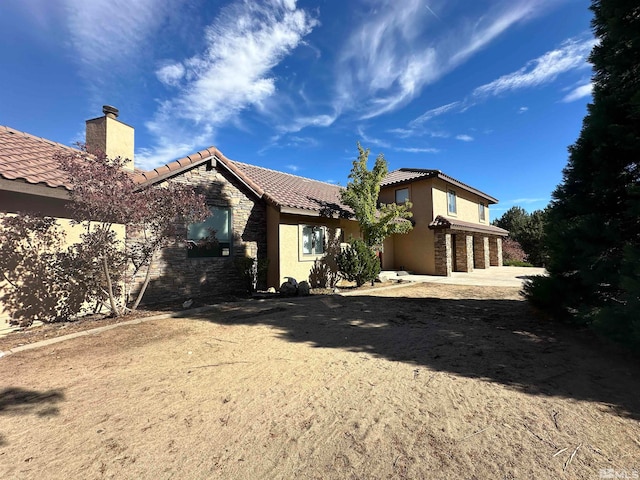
(303, 288)
(271, 290)
(288, 289)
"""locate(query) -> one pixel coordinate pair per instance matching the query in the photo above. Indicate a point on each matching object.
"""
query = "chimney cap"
(110, 111)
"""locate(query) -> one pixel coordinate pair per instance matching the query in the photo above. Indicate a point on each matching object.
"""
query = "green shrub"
(358, 263)
(516, 263)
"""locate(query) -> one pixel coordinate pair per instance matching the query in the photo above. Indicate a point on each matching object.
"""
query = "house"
(451, 230)
(256, 212)
(259, 213)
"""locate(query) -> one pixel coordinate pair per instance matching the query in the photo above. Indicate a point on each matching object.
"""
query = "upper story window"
(313, 240)
(451, 202)
(213, 237)
(481, 212)
(402, 196)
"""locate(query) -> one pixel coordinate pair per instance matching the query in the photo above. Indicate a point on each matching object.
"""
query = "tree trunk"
(144, 284)
(112, 300)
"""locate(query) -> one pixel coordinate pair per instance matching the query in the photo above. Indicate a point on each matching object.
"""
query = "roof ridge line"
(286, 173)
(41, 139)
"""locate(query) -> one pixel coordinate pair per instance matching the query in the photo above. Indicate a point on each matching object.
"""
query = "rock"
(271, 290)
(187, 304)
(402, 273)
(292, 281)
(288, 289)
(303, 288)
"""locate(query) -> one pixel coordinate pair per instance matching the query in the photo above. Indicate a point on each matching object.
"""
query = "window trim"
(454, 212)
(194, 251)
(311, 257)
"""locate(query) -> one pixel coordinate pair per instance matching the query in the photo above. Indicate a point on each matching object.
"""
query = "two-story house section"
(451, 230)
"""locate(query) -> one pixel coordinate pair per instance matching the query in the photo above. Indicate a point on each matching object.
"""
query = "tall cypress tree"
(593, 227)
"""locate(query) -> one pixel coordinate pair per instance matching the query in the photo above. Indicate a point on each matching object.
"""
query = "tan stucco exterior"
(284, 243)
(113, 137)
(415, 251)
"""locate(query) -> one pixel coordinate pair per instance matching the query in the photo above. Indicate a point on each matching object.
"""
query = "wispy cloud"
(243, 44)
(571, 55)
(293, 168)
(464, 138)
(578, 93)
(386, 62)
(370, 140)
(416, 150)
(108, 35)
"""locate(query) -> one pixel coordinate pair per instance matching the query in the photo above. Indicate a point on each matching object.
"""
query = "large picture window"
(213, 237)
(451, 202)
(313, 240)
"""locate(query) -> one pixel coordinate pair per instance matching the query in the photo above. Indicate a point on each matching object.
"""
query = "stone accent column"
(443, 253)
(464, 253)
(495, 251)
(481, 252)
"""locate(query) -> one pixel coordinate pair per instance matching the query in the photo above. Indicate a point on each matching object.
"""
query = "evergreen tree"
(593, 225)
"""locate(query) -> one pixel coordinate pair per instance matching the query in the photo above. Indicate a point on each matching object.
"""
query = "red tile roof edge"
(429, 173)
(441, 222)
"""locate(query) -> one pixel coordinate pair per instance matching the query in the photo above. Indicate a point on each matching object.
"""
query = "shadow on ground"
(18, 401)
(499, 341)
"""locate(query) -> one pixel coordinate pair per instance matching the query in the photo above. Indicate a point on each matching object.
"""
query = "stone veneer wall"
(481, 256)
(464, 252)
(443, 253)
(175, 276)
(495, 251)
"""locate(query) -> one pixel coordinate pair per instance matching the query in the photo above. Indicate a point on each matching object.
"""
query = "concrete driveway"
(493, 277)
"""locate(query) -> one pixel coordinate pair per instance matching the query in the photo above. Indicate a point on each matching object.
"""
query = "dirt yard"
(422, 382)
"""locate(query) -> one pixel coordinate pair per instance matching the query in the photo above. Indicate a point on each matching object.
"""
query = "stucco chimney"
(111, 136)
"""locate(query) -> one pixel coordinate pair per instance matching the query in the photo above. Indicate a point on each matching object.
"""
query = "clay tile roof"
(173, 168)
(441, 222)
(293, 191)
(31, 159)
(406, 175)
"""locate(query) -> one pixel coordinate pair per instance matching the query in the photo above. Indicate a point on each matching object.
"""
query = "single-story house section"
(451, 224)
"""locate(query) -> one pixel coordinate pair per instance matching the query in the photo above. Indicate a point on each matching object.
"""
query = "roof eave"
(39, 189)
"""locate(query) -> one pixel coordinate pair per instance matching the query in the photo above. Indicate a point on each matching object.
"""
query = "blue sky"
(490, 92)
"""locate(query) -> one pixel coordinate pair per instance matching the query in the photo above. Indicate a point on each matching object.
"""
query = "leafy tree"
(593, 228)
(358, 263)
(103, 196)
(527, 230)
(377, 222)
(512, 251)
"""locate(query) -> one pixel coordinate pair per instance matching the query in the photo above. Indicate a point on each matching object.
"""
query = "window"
(451, 202)
(313, 240)
(402, 196)
(211, 238)
(481, 211)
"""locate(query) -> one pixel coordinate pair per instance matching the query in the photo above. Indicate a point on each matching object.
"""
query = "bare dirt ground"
(424, 381)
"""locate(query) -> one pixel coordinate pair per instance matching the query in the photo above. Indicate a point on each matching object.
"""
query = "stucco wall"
(292, 263)
(13, 203)
(412, 251)
(467, 203)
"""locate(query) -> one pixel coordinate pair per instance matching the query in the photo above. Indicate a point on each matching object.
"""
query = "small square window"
(211, 238)
(481, 212)
(402, 196)
(451, 202)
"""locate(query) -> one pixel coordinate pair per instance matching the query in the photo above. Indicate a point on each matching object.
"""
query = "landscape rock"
(303, 288)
